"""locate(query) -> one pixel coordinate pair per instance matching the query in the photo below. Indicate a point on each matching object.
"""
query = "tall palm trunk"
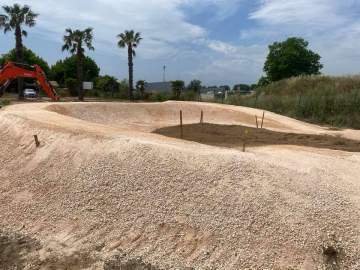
(80, 75)
(19, 58)
(131, 70)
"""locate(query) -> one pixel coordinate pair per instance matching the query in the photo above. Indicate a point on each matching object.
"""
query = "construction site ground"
(120, 186)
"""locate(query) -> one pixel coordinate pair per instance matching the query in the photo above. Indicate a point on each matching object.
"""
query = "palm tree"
(131, 40)
(74, 42)
(14, 19)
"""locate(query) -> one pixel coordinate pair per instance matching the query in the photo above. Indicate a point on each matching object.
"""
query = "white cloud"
(160, 21)
(222, 47)
(239, 64)
(314, 13)
(332, 27)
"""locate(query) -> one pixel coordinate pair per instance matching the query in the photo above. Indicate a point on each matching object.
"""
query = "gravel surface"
(103, 192)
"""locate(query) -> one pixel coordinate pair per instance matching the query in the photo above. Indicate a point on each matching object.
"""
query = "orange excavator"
(11, 71)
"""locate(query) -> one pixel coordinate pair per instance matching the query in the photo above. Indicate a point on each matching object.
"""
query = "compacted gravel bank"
(103, 191)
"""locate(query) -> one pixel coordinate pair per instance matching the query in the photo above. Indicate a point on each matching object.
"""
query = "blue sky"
(217, 41)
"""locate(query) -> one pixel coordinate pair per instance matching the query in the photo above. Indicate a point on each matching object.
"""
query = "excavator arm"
(12, 71)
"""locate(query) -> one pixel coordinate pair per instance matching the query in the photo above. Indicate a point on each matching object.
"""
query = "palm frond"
(74, 40)
(129, 39)
(7, 28)
(65, 47)
(7, 9)
(30, 18)
(121, 44)
(3, 19)
(88, 38)
(16, 15)
(69, 31)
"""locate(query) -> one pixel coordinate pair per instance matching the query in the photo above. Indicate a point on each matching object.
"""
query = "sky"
(220, 42)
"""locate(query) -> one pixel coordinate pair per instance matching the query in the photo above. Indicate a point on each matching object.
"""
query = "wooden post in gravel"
(262, 121)
(256, 119)
(37, 143)
(181, 125)
(245, 137)
(202, 117)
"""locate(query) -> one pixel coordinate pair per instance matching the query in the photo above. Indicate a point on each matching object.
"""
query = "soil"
(234, 136)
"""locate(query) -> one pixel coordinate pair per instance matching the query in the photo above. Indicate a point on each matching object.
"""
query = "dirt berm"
(112, 186)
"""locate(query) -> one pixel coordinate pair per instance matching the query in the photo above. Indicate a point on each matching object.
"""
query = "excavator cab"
(11, 71)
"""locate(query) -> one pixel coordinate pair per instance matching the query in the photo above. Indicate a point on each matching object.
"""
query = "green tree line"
(76, 41)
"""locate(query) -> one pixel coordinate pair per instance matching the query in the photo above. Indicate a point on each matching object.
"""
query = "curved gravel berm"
(104, 192)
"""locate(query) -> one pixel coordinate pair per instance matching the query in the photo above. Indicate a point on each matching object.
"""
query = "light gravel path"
(101, 184)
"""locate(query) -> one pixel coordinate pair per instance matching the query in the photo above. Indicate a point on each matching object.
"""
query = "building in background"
(158, 87)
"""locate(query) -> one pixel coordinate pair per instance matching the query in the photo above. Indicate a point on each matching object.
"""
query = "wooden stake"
(181, 125)
(256, 119)
(246, 131)
(202, 117)
(262, 121)
(37, 143)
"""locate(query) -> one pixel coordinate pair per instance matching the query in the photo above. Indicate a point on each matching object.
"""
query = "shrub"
(189, 95)
(72, 85)
(4, 102)
(159, 97)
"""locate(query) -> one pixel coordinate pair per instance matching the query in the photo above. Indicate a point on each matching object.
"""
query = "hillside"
(325, 100)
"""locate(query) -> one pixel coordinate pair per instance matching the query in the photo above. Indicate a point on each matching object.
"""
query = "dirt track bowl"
(113, 185)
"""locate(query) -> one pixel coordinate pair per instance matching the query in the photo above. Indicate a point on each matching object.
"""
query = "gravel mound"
(101, 197)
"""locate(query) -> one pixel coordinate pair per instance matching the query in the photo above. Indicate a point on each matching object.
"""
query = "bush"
(92, 93)
(189, 95)
(63, 92)
(4, 102)
(159, 97)
(72, 85)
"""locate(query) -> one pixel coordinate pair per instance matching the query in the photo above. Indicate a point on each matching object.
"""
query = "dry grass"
(321, 99)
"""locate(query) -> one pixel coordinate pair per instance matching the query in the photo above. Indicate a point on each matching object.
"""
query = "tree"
(107, 84)
(291, 58)
(74, 42)
(29, 57)
(242, 87)
(14, 19)
(72, 85)
(225, 87)
(131, 40)
(177, 87)
(140, 86)
(263, 81)
(124, 89)
(195, 86)
(67, 68)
